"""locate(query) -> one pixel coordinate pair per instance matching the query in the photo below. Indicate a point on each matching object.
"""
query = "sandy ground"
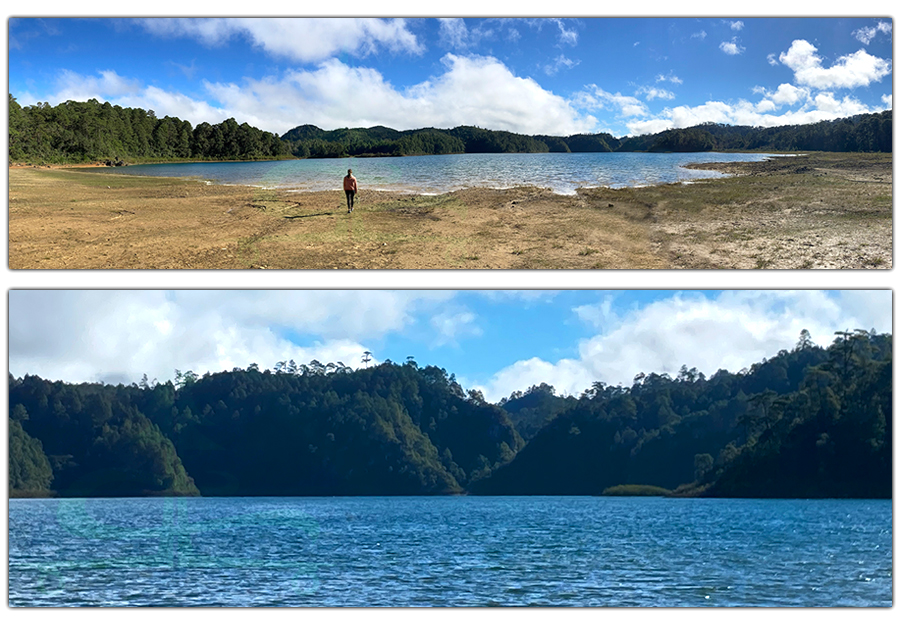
(817, 211)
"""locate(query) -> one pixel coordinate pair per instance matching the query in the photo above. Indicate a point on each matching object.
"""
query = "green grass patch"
(636, 490)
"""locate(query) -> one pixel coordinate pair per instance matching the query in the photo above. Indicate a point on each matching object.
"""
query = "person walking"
(350, 189)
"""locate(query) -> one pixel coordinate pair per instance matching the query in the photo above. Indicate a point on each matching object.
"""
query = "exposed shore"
(817, 211)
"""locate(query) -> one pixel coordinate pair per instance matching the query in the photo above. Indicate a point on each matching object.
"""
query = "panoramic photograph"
(459, 143)
(450, 448)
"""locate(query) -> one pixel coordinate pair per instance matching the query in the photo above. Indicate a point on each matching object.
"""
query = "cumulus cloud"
(867, 34)
(298, 39)
(732, 48)
(118, 336)
(650, 126)
(737, 25)
(75, 86)
(788, 94)
(594, 98)
(472, 89)
(822, 106)
(773, 59)
(700, 35)
(854, 70)
(888, 100)
(730, 332)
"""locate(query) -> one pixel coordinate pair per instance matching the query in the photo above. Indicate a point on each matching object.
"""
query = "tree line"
(89, 131)
(863, 133)
(809, 422)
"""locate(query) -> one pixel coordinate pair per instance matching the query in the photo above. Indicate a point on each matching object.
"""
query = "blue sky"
(538, 75)
(496, 341)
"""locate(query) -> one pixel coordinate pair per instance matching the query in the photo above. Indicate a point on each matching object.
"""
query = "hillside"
(809, 422)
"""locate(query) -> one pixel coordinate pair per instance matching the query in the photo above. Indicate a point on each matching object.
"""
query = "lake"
(563, 173)
(449, 551)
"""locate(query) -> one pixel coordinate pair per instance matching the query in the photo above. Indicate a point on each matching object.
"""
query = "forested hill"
(309, 430)
(73, 132)
(807, 422)
(811, 422)
(867, 133)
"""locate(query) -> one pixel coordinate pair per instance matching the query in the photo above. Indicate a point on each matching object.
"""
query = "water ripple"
(449, 551)
(562, 173)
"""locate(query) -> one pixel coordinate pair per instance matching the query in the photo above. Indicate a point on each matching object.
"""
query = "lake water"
(449, 551)
(562, 173)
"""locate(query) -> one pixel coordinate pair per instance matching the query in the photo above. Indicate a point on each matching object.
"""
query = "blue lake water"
(449, 551)
(563, 173)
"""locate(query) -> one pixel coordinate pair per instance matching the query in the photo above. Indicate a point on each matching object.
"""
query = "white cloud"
(732, 331)
(788, 94)
(472, 90)
(594, 98)
(566, 36)
(652, 93)
(451, 326)
(599, 316)
(700, 35)
(773, 59)
(866, 34)
(454, 33)
(731, 48)
(823, 106)
(74, 86)
(559, 62)
(888, 100)
(736, 25)
(847, 106)
(651, 126)
(670, 78)
(118, 336)
(854, 70)
(299, 39)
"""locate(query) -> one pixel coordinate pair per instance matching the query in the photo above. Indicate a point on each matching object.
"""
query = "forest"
(812, 421)
(863, 133)
(74, 132)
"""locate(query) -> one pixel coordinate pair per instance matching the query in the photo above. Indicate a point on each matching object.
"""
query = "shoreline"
(570, 190)
(797, 212)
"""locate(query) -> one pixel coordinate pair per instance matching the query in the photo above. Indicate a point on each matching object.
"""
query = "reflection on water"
(563, 173)
(450, 551)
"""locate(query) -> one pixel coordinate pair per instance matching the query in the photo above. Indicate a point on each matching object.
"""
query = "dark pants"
(350, 194)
